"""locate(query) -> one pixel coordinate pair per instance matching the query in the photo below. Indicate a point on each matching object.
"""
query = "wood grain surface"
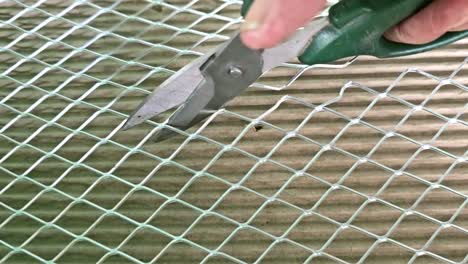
(74, 189)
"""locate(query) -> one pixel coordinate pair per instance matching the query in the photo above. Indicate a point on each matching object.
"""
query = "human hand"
(271, 21)
(440, 17)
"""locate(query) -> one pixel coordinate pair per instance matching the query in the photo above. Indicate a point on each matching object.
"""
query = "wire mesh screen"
(357, 162)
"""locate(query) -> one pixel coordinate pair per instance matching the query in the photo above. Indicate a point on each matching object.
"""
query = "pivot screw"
(235, 71)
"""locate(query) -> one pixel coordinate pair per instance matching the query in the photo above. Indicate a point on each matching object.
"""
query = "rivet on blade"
(235, 71)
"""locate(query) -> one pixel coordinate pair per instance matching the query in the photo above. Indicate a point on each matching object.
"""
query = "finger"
(269, 22)
(431, 23)
(460, 28)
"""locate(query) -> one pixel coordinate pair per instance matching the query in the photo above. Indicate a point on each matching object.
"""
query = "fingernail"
(393, 34)
(256, 15)
(250, 25)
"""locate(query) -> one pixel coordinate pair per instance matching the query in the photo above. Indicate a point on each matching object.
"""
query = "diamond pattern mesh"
(355, 173)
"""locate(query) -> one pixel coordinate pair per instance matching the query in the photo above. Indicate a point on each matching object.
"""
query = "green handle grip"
(357, 27)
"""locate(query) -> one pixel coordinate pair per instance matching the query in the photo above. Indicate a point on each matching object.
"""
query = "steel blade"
(170, 94)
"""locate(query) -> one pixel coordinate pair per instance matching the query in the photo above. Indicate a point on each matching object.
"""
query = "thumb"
(432, 22)
(271, 21)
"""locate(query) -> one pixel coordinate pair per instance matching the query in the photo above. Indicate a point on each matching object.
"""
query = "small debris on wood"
(258, 127)
(158, 8)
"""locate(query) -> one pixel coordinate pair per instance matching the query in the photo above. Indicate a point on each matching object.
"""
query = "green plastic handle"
(357, 27)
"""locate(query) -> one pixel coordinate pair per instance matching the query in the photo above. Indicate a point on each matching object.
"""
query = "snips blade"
(170, 94)
(206, 85)
(228, 72)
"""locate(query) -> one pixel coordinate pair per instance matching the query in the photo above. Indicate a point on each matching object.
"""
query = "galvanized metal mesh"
(351, 174)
